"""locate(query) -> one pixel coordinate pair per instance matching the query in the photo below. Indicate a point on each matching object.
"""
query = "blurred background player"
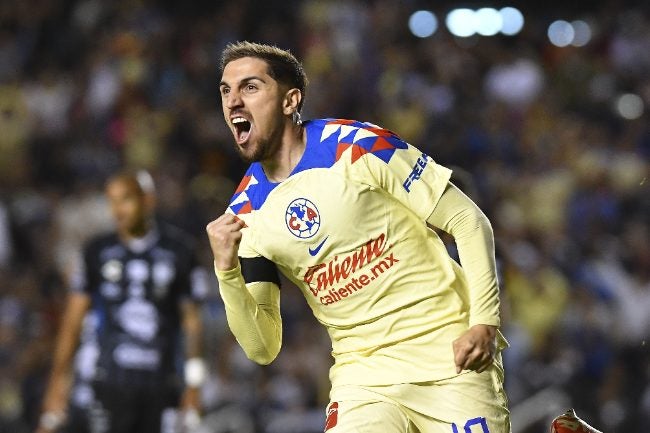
(144, 287)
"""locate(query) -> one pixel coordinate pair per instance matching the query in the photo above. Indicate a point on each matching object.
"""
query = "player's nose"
(233, 99)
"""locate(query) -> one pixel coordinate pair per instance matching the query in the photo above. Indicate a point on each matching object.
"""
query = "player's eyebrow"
(244, 80)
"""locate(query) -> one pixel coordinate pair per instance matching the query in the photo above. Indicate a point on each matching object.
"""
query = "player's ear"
(291, 101)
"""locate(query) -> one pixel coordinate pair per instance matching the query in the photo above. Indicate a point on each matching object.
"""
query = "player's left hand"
(475, 349)
(191, 409)
(191, 399)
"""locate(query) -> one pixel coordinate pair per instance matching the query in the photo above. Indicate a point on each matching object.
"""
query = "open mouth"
(242, 129)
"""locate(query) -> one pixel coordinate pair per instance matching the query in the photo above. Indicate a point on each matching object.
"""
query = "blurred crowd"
(91, 86)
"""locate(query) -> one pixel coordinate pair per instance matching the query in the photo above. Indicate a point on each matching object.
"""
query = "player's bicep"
(199, 282)
(77, 304)
(81, 278)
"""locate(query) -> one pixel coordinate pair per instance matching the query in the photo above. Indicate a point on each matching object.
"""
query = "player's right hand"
(50, 422)
(53, 414)
(224, 234)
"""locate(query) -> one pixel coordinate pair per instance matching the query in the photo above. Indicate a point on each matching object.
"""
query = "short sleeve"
(411, 176)
(255, 267)
(198, 280)
(81, 277)
(194, 279)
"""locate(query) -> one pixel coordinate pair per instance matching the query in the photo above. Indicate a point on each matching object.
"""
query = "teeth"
(238, 120)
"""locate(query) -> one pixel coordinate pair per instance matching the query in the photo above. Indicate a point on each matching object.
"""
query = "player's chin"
(124, 226)
(246, 153)
(251, 152)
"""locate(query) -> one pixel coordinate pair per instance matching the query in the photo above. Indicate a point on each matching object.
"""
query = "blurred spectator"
(91, 86)
(5, 238)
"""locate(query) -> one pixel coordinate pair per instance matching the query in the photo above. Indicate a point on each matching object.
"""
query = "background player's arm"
(196, 284)
(458, 215)
(195, 369)
(192, 328)
(58, 389)
(252, 310)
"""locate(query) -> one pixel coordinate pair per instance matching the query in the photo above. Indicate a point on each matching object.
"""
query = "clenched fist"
(224, 234)
(475, 349)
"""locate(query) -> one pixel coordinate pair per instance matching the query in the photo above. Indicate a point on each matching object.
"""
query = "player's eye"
(250, 88)
(225, 90)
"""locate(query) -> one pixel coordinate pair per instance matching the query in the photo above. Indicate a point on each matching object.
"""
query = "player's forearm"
(253, 315)
(195, 370)
(192, 329)
(459, 216)
(58, 388)
(66, 344)
(63, 353)
(475, 243)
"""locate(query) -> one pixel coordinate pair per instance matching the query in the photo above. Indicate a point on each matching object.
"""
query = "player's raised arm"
(224, 234)
(459, 216)
(253, 309)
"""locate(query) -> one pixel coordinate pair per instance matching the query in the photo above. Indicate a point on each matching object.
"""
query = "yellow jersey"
(348, 227)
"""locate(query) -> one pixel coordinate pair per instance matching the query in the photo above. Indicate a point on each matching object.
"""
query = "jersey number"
(472, 422)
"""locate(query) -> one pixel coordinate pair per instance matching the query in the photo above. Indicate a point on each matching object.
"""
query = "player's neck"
(140, 244)
(139, 231)
(289, 153)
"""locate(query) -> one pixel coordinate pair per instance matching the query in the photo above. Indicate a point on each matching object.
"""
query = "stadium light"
(512, 21)
(464, 22)
(629, 106)
(461, 22)
(582, 33)
(488, 21)
(561, 33)
(423, 23)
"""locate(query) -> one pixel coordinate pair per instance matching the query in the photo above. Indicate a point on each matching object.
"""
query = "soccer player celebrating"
(144, 284)
(345, 210)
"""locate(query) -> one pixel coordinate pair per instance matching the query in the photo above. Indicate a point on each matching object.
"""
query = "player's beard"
(259, 152)
(262, 149)
(135, 227)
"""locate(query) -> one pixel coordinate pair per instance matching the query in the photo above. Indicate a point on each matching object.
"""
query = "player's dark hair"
(140, 178)
(283, 66)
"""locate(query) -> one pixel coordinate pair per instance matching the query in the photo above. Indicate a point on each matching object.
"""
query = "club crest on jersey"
(112, 270)
(302, 218)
